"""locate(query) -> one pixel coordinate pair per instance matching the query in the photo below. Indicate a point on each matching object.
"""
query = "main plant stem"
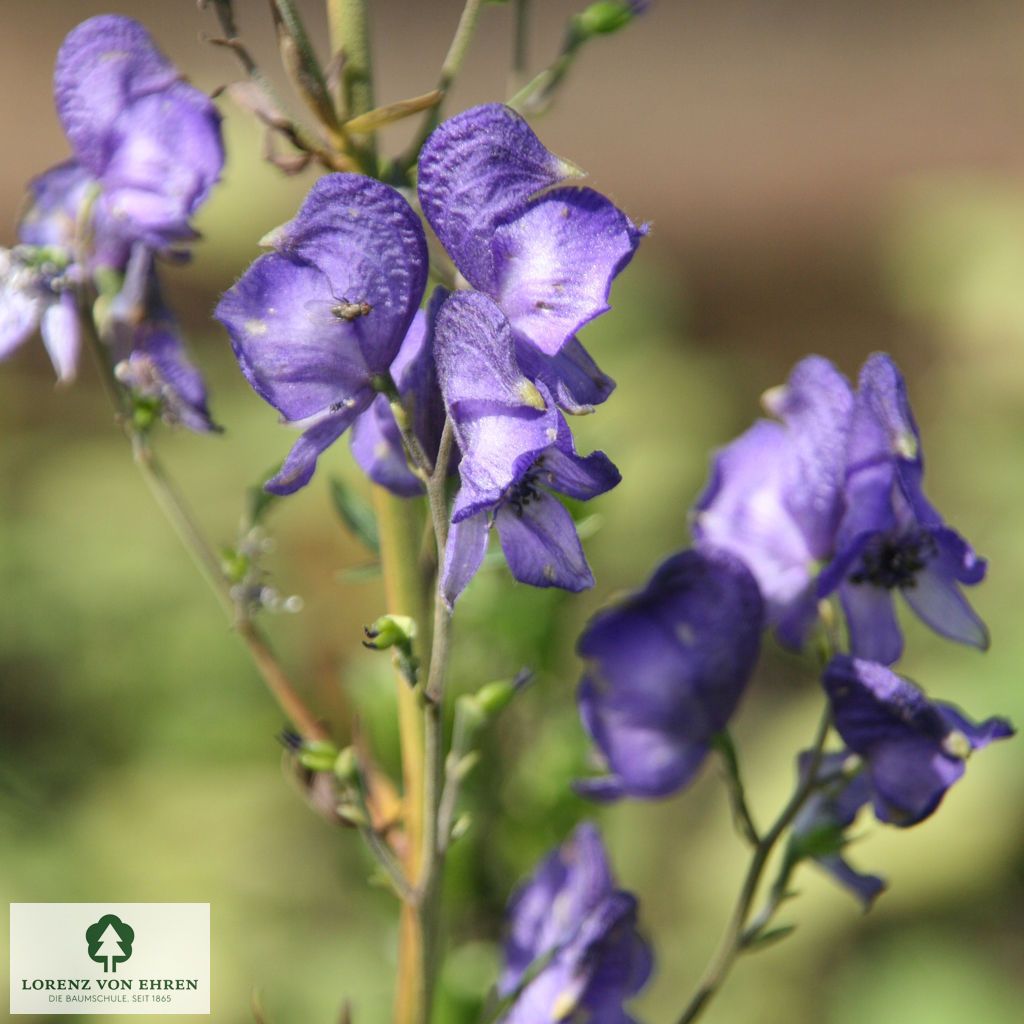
(400, 527)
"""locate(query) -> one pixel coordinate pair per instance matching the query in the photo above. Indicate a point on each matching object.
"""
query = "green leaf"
(768, 937)
(259, 501)
(356, 513)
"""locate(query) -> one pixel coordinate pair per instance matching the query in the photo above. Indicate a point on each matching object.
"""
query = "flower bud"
(607, 16)
(318, 755)
(391, 631)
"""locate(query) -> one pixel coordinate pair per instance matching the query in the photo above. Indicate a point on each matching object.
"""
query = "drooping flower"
(577, 933)
(818, 830)
(914, 749)
(666, 668)
(148, 353)
(147, 149)
(516, 448)
(149, 139)
(890, 537)
(775, 494)
(546, 255)
(316, 324)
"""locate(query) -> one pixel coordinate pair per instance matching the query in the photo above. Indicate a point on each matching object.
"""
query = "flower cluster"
(826, 499)
(830, 500)
(326, 328)
(146, 152)
(572, 951)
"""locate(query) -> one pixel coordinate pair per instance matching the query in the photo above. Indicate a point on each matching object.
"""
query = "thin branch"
(732, 941)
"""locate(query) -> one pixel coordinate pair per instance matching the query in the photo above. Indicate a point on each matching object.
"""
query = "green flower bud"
(391, 631)
(345, 767)
(318, 755)
(606, 16)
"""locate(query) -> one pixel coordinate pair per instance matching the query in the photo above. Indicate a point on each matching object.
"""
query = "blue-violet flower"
(775, 494)
(819, 827)
(545, 255)
(316, 324)
(914, 749)
(666, 668)
(577, 932)
(516, 447)
(890, 537)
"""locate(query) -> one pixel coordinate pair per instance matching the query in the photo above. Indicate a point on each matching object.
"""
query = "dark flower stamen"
(892, 562)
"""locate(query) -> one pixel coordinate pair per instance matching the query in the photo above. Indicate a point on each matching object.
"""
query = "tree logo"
(110, 942)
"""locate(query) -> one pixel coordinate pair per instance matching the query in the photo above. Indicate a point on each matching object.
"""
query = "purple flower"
(37, 292)
(148, 353)
(818, 828)
(579, 933)
(316, 324)
(516, 448)
(150, 140)
(376, 441)
(147, 150)
(774, 498)
(546, 256)
(914, 749)
(666, 668)
(38, 278)
(890, 537)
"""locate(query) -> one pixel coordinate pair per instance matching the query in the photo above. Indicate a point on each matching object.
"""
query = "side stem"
(732, 941)
(175, 508)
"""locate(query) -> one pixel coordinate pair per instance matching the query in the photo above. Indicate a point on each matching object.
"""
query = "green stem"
(732, 941)
(459, 45)
(349, 32)
(400, 527)
(301, 62)
(520, 44)
(450, 68)
(174, 507)
(536, 96)
(434, 844)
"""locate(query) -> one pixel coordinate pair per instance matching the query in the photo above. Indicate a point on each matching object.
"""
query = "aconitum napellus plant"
(428, 304)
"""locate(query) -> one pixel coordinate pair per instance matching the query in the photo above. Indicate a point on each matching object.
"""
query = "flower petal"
(105, 64)
(743, 510)
(871, 619)
(816, 404)
(573, 378)
(299, 365)
(169, 157)
(298, 467)
(865, 887)
(541, 545)
(160, 365)
(62, 335)
(377, 447)
(666, 669)
(475, 171)
(502, 422)
(465, 550)
(937, 600)
(555, 261)
(369, 243)
(21, 305)
(562, 470)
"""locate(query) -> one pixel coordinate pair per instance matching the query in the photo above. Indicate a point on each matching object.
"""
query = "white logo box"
(145, 958)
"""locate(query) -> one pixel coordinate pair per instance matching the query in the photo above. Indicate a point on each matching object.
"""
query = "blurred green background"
(835, 178)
